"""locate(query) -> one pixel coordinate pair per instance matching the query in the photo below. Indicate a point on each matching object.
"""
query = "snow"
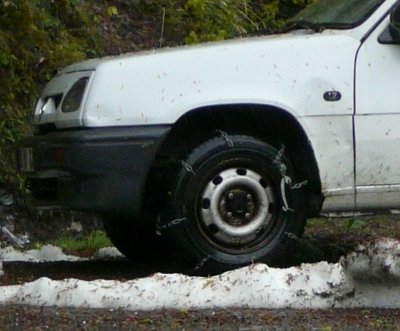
(108, 253)
(368, 277)
(47, 253)
(50, 253)
(379, 262)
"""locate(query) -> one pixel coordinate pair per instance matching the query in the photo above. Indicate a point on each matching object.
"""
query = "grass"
(90, 243)
(325, 239)
(364, 227)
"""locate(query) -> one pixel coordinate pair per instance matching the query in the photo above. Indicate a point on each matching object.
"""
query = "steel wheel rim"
(236, 209)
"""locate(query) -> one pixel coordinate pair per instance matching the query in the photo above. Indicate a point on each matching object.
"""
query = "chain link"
(188, 167)
(281, 166)
(202, 263)
(292, 236)
(160, 228)
(286, 209)
(225, 136)
(278, 156)
(286, 180)
(299, 185)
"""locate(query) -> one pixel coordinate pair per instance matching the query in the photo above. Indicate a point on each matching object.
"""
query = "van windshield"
(335, 14)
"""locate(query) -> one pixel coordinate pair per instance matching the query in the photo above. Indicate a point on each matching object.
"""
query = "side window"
(391, 35)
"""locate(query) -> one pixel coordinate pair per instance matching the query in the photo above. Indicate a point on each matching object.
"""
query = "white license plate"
(26, 159)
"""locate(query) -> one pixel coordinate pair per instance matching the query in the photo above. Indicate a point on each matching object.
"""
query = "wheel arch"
(267, 123)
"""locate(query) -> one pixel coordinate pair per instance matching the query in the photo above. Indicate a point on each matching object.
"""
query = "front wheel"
(133, 237)
(235, 203)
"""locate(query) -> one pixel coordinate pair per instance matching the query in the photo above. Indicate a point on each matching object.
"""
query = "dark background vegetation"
(38, 37)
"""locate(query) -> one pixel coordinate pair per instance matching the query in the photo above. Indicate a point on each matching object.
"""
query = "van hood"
(92, 64)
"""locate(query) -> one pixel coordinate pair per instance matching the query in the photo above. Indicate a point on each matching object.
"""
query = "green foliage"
(37, 37)
(94, 241)
(194, 21)
(112, 11)
(356, 223)
(208, 20)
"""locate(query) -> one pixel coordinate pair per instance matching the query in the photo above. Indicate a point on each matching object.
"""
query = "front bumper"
(101, 170)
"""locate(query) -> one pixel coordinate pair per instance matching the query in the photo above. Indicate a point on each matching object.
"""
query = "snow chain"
(299, 185)
(187, 167)
(202, 263)
(225, 136)
(160, 228)
(286, 180)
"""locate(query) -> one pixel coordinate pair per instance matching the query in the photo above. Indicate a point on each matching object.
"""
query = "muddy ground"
(28, 318)
(323, 240)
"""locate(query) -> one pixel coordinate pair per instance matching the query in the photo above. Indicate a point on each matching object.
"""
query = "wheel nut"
(249, 197)
(231, 196)
(247, 216)
(229, 214)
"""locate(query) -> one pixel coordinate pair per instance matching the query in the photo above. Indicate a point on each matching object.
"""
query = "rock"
(6, 198)
(76, 226)
(13, 239)
(108, 253)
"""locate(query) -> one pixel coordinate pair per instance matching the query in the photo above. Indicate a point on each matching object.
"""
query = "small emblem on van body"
(332, 96)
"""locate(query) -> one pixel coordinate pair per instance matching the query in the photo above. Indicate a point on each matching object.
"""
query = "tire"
(233, 204)
(134, 239)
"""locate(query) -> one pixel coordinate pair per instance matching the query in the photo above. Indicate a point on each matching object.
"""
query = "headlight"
(73, 99)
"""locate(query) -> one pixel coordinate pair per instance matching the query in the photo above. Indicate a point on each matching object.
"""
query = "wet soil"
(323, 240)
(30, 318)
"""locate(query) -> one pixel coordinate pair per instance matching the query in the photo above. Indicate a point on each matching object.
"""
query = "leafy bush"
(194, 21)
(37, 37)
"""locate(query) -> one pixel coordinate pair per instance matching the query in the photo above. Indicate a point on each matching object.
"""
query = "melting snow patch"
(379, 262)
(366, 278)
(50, 253)
(108, 253)
(47, 253)
(315, 286)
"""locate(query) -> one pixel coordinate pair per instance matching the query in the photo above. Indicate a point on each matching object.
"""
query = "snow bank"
(366, 278)
(315, 286)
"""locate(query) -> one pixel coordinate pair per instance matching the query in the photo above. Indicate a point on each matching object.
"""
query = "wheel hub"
(236, 207)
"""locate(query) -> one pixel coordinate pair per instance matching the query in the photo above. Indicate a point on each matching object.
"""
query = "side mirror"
(391, 35)
(394, 27)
